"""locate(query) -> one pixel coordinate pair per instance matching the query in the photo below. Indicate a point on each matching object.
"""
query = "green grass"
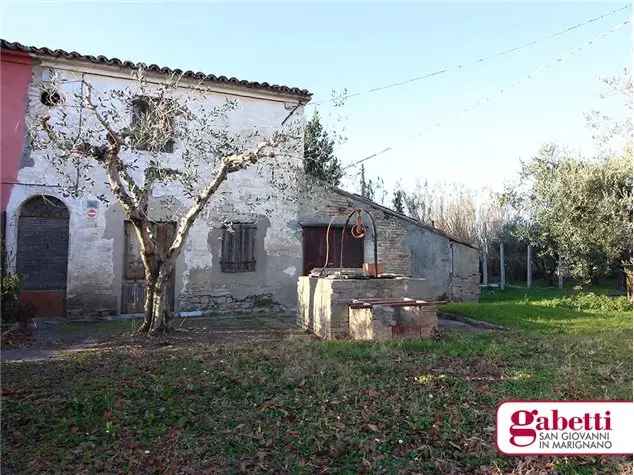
(551, 311)
(306, 406)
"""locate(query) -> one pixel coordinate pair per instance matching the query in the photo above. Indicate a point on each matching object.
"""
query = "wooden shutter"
(133, 264)
(238, 248)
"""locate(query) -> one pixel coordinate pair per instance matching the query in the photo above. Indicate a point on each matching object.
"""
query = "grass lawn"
(304, 406)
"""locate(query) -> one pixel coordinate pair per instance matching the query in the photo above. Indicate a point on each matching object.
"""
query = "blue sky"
(358, 46)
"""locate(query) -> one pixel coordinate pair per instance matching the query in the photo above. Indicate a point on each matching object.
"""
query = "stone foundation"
(224, 302)
(322, 303)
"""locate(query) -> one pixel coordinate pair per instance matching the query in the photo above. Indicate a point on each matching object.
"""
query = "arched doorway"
(42, 257)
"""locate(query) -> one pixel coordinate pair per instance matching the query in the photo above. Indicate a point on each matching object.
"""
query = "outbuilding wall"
(405, 247)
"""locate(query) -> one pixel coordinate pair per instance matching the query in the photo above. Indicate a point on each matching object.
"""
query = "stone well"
(324, 307)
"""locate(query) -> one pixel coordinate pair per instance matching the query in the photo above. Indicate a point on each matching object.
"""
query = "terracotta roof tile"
(59, 53)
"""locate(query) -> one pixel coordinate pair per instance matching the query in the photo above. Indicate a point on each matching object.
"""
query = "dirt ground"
(54, 339)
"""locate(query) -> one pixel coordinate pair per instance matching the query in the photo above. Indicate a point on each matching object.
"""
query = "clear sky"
(359, 46)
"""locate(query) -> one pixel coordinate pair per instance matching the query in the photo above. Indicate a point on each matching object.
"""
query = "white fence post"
(529, 266)
(502, 275)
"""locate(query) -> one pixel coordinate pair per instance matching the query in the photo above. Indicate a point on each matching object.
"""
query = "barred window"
(238, 248)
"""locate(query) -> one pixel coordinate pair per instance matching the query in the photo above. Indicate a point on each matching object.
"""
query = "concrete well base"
(322, 304)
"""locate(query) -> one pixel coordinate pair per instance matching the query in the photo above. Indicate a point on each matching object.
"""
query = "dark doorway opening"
(42, 255)
(314, 248)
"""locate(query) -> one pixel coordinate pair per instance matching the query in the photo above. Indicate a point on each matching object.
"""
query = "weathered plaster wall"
(96, 245)
(430, 258)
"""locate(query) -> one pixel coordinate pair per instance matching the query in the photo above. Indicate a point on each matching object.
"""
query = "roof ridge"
(403, 216)
(101, 59)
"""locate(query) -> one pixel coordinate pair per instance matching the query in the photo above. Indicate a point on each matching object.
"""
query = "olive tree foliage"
(613, 131)
(120, 136)
(579, 209)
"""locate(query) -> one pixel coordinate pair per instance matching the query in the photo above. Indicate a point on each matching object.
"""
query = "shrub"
(596, 303)
(12, 309)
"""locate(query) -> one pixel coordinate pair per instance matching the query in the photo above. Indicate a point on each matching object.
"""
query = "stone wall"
(465, 276)
(322, 304)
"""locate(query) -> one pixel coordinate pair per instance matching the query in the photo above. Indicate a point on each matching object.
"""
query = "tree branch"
(230, 164)
(113, 137)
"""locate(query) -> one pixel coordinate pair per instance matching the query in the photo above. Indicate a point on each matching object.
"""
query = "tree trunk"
(148, 305)
(160, 308)
(628, 282)
(156, 307)
(485, 269)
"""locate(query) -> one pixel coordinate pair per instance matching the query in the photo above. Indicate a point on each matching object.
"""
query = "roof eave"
(302, 94)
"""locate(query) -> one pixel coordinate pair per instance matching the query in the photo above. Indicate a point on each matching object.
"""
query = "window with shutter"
(238, 248)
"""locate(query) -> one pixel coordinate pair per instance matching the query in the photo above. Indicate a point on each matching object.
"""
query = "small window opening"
(238, 247)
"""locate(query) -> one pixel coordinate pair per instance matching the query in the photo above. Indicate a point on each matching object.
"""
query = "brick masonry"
(404, 246)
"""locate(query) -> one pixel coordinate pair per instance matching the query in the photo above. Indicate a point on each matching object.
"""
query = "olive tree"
(125, 131)
(580, 209)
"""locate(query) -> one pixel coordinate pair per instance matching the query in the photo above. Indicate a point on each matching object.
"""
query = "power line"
(486, 99)
(483, 59)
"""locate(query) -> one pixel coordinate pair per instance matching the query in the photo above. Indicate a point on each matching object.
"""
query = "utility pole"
(502, 275)
(364, 185)
(529, 266)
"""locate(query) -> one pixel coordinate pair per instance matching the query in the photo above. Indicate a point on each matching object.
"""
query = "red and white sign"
(565, 428)
(91, 213)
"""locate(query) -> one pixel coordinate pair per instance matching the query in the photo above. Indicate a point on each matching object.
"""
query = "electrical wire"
(460, 67)
(486, 99)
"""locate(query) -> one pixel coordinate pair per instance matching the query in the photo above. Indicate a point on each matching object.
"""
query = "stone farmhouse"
(78, 258)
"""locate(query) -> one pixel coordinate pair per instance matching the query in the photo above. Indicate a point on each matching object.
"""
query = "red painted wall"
(15, 77)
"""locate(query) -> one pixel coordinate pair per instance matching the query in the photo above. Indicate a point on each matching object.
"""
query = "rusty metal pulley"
(358, 229)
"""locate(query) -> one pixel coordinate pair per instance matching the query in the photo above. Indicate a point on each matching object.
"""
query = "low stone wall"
(464, 281)
(323, 303)
(464, 288)
(384, 322)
